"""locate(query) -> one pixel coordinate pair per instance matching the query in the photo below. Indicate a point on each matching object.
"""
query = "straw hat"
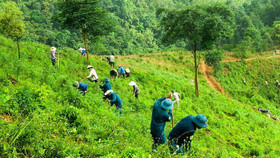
(132, 83)
(53, 49)
(108, 91)
(89, 66)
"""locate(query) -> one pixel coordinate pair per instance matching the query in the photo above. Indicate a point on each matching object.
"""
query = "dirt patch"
(206, 71)
(207, 132)
(13, 80)
(8, 118)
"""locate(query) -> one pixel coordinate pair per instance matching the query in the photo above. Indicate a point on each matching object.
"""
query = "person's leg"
(53, 62)
(155, 142)
(162, 138)
(136, 95)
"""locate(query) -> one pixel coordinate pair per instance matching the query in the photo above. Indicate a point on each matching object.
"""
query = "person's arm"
(134, 90)
(168, 116)
(113, 99)
(90, 74)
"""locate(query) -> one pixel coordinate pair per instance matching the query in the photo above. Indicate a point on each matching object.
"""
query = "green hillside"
(255, 92)
(43, 115)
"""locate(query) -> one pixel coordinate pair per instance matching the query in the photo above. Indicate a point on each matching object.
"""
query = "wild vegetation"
(44, 116)
(137, 26)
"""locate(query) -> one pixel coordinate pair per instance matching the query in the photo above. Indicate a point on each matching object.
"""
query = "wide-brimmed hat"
(53, 49)
(200, 120)
(76, 84)
(108, 91)
(106, 80)
(132, 83)
(167, 104)
(89, 66)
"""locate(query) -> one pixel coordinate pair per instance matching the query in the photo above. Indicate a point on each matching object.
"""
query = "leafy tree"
(11, 22)
(87, 16)
(200, 26)
(276, 33)
(213, 58)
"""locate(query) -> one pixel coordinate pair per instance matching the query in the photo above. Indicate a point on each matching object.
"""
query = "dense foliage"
(43, 115)
(138, 30)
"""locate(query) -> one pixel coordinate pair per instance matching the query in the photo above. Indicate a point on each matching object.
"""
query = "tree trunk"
(18, 48)
(196, 71)
(85, 42)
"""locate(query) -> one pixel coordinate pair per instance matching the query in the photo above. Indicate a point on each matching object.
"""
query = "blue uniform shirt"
(82, 87)
(115, 99)
(121, 69)
(186, 127)
(106, 86)
(159, 117)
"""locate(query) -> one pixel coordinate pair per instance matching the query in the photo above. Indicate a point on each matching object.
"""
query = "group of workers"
(268, 113)
(112, 97)
(178, 138)
(277, 84)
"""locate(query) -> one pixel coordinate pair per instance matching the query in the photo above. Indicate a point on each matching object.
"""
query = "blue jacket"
(185, 128)
(106, 86)
(121, 69)
(115, 99)
(159, 117)
(82, 87)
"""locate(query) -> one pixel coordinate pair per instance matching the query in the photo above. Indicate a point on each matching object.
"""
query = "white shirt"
(112, 58)
(176, 96)
(93, 74)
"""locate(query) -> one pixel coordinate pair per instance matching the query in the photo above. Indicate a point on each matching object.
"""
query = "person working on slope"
(263, 111)
(83, 51)
(112, 60)
(113, 73)
(107, 86)
(81, 86)
(53, 57)
(136, 89)
(92, 75)
(127, 72)
(162, 113)
(179, 137)
(122, 72)
(114, 99)
(176, 97)
(277, 83)
(244, 81)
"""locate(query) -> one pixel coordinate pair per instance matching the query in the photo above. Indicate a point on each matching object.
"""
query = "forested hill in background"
(138, 30)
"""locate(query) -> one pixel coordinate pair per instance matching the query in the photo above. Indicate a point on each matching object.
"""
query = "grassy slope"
(52, 119)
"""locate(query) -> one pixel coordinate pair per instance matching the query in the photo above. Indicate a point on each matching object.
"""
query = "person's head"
(108, 92)
(89, 67)
(53, 49)
(167, 104)
(106, 80)
(173, 91)
(132, 83)
(200, 121)
(76, 84)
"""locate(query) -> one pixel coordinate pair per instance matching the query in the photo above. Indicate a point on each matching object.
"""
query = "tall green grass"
(52, 119)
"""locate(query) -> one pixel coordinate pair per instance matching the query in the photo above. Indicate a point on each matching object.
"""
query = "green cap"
(76, 84)
(173, 91)
(106, 80)
(200, 120)
(167, 104)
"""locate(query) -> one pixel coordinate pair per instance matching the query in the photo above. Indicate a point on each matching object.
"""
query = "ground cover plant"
(43, 115)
